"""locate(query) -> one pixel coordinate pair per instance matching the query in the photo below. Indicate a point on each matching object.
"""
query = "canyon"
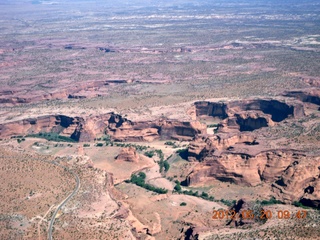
(235, 153)
(142, 119)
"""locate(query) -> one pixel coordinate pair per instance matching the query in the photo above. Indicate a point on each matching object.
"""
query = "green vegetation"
(203, 195)
(106, 138)
(58, 145)
(160, 154)
(170, 143)
(99, 144)
(229, 203)
(137, 147)
(18, 136)
(142, 175)
(299, 204)
(164, 165)
(20, 140)
(271, 201)
(86, 145)
(149, 154)
(177, 187)
(109, 142)
(183, 204)
(139, 180)
(51, 136)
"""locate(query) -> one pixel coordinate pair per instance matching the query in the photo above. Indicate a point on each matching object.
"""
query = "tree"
(177, 187)
(149, 154)
(166, 166)
(142, 175)
(204, 195)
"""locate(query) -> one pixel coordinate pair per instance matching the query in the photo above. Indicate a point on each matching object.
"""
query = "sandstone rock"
(307, 95)
(128, 154)
(119, 128)
(300, 182)
(243, 168)
(251, 114)
(240, 159)
(203, 145)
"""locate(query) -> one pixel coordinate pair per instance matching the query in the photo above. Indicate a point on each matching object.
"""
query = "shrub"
(160, 154)
(142, 175)
(99, 144)
(177, 187)
(169, 143)
(166, 166)
(149, 154)
(183, 204)
(204, 195)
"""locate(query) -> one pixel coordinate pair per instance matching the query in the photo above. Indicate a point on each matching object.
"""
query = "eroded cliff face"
(241, 159)
(66, 90)
(307, 95)
(128, 154)
(243, 168)
(236, 154)
(119, 128)
(248, 115)
(300, 181)
(125, 130)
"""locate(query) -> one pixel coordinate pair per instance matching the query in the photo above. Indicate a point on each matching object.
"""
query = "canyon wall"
(251, 114)
(119, 128)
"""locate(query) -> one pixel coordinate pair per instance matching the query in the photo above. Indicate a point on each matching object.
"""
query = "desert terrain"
(159, 120)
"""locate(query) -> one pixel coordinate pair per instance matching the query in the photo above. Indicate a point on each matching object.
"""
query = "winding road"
(64, 201)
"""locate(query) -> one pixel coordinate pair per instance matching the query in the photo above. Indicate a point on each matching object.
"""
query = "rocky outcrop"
(122, 129)
(307, 95)
(243, 168)
(248, 115)
(119, 128)
(201, 147)
(245, 212)
(300, 181)
(82, 90)
(214, 109)
(64, 125)
(247, 121)
(129, 155)
(239, 158)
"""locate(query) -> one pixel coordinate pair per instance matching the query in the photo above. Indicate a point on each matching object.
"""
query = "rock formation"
(240, 158)
(248, 115)
(306, 95)
(119, 128)
(82, 90)
(293, 174)
(128, 154)
(235, 154)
